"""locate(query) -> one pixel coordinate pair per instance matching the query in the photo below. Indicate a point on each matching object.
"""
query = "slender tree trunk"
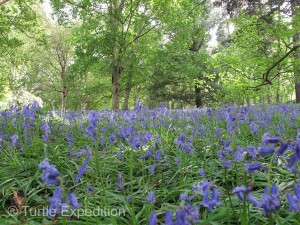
(64, 98)
(277, 97)
(296, 40)
(198, 97)
(116, 74)
(127, 94)
(248, 101)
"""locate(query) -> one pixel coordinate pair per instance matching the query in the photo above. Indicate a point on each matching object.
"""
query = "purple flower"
(72, 200)
(227, 164)
(187, 215)
(241, 191)
(169, 218)
(294, 200)
(147, 155)
(120, 182)
(151, 197)
(180, 140)
(152, 168)
(50, 173)
(46, 129)
(153, 219)
(202, 188)
(252, 167)
(177, 161)
(212, 202)
(136, 141)
(283, 147)
(266, 139)
(251, 151)
(265, 150)
(186, 198)
(89, 189)
(128, 198)
(269, 202)
(158, 155)
(83, 168)
(14, 139)
(56, 203)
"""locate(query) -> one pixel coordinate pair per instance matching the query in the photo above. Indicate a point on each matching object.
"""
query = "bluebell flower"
(283, 147)
(202, 188)
(241, 191)
(221, 154)
(14, 139)
(46, 129)
(120, 182)
(212, 202)
(294, 200)
(177, 161)
(252, 151)
(227, 164)
(202, 172)
(136, 141)
(153, 219)
(186, 198)
(72, 200)
(169, 218)
(147, 155)
(152, 168)
(128, 198)
(187, 215)
(158, 155)
(83, 167)
(252, 167)
(151, 197)
(269, 202)
(180, 140)
(56, 203)
(89, 189)
(50, 173)
(265, 150)
(266, 139)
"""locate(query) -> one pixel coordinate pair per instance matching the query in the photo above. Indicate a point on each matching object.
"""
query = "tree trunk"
(277, 97)
(296, 40)
(198, 97)
(64, 98)
(127, 94)
(116, 74)
(248, 101)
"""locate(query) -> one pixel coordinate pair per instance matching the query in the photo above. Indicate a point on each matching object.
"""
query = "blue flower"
(252, 167)
(266, 139)
(241, 191)
(147, 155)
(56, 203)
(202, 188)
(294, 200)
(120, 182)
(269, 202)
(185, 197)
(152, 168)
(151, 197)
(283, 147)
(72, 200)
(83, 168)
(50, 173)
(265, 150)
(212, 202)
(153, 219)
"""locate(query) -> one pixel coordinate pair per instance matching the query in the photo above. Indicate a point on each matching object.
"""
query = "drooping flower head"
(50, 173)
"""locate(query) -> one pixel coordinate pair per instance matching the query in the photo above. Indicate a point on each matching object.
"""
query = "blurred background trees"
(94, 54)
